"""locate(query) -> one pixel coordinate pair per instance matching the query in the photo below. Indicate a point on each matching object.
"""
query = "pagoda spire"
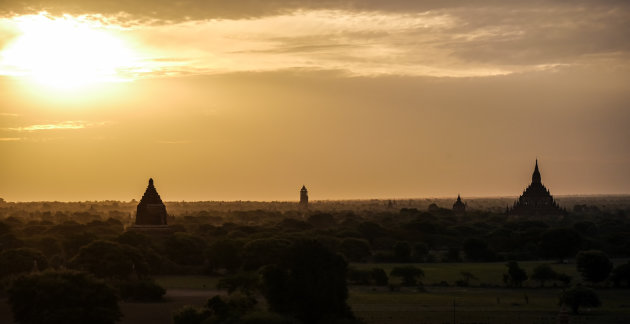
(536, 175)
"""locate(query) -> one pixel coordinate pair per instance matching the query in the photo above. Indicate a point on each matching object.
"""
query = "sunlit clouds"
(449, 42)
(70, 124)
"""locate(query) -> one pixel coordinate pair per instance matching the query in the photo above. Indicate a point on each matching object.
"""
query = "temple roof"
(150, 195)
(536, 175)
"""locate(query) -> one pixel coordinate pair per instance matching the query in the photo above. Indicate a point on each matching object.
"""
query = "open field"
(380, 305)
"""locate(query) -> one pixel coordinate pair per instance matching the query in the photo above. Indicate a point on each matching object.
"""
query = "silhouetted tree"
(560, 243)
(594, 265)
(477, 250)
(466, 278)
(190, 315)
(245, 282)
(379, 276)
(261, 252)
(543, 273)
(420, 251)
(402, 252)
(145, 290)
(515, 275)
(226, 254)
(107, 259)
(185, 249)
(309, 283)
(15, 261)
(355, 249)
(620, 274)
(577, 297)
(409, 274)
(62, 297)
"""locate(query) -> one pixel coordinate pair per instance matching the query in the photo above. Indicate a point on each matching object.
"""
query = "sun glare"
(66, 52)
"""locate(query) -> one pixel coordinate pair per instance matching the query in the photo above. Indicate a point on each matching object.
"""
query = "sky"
(250, 100)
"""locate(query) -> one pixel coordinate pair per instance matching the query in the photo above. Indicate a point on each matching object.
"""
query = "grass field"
(434, 305)
(475, 304)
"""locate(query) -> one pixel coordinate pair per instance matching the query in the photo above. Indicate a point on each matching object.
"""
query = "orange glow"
(67, 53)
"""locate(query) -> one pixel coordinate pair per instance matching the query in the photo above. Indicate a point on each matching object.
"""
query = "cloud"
(186, 10)
(10, 139)
(9, 115)
(58, 126)
(360, 38)
(450, 42)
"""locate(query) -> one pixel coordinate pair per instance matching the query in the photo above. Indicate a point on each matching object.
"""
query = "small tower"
(303, 197)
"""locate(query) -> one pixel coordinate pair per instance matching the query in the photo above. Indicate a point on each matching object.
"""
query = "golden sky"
(248, 100)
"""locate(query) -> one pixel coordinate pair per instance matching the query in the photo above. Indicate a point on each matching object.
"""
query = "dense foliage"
(62, 297)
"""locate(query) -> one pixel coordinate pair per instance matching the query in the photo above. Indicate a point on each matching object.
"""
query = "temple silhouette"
(459, 207)
(303, 197)
(536, 201)
(151, 211)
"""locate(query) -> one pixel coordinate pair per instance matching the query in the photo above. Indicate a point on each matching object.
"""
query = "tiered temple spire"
(151, 209)
(536, 200)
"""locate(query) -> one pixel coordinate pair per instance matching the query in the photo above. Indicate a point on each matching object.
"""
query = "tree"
(379, 277)
(258, 253)
(577, 297)
(185, 249)
(245, 282)
(466, 278)
(309, 283)
(594, 265)
(21, 260)
(107, 259)
(355, 249)
(420, 251)
(62, 297)
(515, 275)
(477, 250)
(226, 254)
(543, 273)
(145, 290)
(620, 274)
(402, 251)
(560, 243)
(409, 274)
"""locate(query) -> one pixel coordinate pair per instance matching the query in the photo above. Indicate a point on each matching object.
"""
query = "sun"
(67, 52)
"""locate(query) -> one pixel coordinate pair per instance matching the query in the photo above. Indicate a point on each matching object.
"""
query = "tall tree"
(309, 283)
(594, 265)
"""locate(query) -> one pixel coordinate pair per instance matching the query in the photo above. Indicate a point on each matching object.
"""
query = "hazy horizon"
(354, 99)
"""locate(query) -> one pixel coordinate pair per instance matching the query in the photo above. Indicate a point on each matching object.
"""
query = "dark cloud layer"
(235, 9)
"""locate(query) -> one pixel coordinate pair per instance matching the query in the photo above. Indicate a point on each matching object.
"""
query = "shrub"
(577, 297)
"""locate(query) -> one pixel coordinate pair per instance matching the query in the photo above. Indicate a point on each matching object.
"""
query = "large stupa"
(536, 201)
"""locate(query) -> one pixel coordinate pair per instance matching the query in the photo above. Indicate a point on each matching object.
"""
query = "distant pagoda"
(151, 211)
(536, 201)
(303, 197)
(459, 207)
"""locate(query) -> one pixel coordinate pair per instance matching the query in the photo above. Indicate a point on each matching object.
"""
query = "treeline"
(207, 243)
